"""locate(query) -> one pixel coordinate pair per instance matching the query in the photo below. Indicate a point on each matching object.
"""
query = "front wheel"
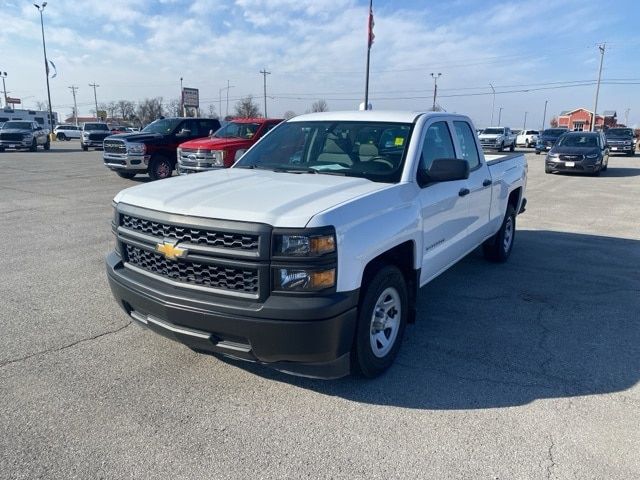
(47, 145)
(382, 318)
(501, 149)
(61, 136)
(160, 168)
(498, 248)
(84, 147)
(512, 147)
(34, 146)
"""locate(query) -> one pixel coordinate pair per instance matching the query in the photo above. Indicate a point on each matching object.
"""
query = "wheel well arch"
(514, 198)
(402, 256)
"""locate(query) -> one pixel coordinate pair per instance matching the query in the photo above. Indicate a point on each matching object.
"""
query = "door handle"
(487, 182)
(463, 192)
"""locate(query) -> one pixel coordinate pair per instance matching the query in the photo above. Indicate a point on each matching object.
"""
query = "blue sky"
(316, 49)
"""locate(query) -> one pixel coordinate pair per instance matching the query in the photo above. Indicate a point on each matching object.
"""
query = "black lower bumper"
(309, 336)
(577, 167)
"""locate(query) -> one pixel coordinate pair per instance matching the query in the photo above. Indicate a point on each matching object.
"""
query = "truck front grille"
(98, 136)
(219, 277)
(211, 238)
(11, 137)
(115, 146)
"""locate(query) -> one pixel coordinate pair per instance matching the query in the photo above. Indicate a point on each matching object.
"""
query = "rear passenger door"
(444, 207)
(479, 184)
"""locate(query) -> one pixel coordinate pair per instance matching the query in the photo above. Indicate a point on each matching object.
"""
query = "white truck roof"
(368, 115)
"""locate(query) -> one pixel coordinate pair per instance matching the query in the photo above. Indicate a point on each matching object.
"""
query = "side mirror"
(445, 170)
(184, 133)
(211, 132)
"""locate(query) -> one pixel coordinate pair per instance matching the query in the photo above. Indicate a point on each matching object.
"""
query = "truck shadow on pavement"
(560, 319)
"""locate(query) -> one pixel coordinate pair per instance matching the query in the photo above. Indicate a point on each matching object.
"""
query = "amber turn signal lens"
(323, 244)
(322, 279)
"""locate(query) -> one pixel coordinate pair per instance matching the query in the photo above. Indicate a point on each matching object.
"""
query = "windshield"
(96, 126)
(20, 125)
(493, 131)
(372, 150)
(573, 140)
(237, 130)
(554, 132)
(620, 132)
(164, 126)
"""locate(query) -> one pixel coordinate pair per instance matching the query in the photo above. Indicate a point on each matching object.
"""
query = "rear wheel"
(159, 168)
(61, 136)
(128, 175)
(382, 318)
(498, 248)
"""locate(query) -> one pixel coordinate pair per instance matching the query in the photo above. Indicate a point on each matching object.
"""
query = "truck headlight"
(303, 279)
(304, 244)
(115, 221)
(216, 158)
(136, 148)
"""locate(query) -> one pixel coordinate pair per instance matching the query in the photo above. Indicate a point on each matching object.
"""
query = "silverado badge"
(170, 250)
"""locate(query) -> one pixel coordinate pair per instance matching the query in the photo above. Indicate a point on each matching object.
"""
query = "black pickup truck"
(154, 149)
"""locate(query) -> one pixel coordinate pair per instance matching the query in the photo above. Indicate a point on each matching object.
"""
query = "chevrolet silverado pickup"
(23, 134)
(498, 138)
(153, 150)
(308, 253)
(224, 147)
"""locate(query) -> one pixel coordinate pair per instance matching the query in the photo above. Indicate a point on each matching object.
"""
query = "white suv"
(67, 132)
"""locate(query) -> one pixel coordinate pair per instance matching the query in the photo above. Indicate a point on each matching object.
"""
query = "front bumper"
(582, 166)
(308, 336)
(92, 143)
(126, 161)
(187, 169)
(16, 143)
(621, 148)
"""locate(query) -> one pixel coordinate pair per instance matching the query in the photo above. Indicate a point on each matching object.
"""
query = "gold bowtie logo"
(170, 250)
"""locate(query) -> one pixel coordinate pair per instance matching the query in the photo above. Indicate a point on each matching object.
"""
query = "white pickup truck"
(498, 138)
(308, 254)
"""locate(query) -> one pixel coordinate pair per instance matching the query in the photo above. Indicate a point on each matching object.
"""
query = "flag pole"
(369, 41)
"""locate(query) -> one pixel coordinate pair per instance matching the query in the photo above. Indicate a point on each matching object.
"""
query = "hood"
(549, 137)
(263, 196)
(15, 130)
(217, 143)
(490, 135)
(137, 137)
(619, 137)
(574, 150)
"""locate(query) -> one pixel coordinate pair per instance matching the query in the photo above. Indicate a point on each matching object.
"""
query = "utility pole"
(228, 87)
(435, 89)
(4, 87)
(370, 38)
(524, 125)
(264, 74)
(493, 104)
(626, 117)
(595, 107)
(544, 115)
(181, 99)
(46, 65)
(95, 97)
(499, 116)
(73, 89)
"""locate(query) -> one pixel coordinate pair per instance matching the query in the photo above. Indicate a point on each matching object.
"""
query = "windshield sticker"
(399, 141)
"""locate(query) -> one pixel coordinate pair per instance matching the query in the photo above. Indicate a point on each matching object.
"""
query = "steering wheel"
(382, 160)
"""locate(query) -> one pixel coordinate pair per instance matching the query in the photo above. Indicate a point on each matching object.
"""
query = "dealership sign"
(191, 97)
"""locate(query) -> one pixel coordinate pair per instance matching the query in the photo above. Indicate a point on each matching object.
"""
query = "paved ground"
(516, 371)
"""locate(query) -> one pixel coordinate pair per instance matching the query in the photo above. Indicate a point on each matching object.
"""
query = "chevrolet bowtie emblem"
(170, 250)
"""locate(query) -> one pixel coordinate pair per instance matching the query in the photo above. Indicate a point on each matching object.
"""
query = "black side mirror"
(447, 170)
(184, 133)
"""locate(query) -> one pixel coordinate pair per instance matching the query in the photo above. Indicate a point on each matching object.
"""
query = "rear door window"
(467, 142)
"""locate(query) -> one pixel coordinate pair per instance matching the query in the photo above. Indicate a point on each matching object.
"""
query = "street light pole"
(73, 89)
(46, 65)
(4, 87)
(435, 89)
(499, 116)
(544, 115)
(493, 104)
(524, 125)
(181, 99)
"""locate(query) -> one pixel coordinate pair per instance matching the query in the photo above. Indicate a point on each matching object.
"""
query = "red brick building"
(580, 119)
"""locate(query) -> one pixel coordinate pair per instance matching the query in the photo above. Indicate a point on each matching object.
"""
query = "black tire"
(501, 149)
(127, 175)
(537, 152)
(512, 147)
(547, 170)
(498, 248)
(84, 147)
(61, 136)
(631, 153)
(159, 168)
(386, 282)
(605, 166)
(527, 144)
(596, 173)
(34, 146)
(47, 145)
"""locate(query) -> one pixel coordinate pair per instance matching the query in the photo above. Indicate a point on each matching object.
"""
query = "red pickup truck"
(224, 147)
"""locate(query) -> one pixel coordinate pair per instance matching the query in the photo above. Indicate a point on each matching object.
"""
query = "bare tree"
(212, 111)
(126, 109)
(42, 106)
(112, 109)
(247, 108)
(173, 108)
(553, 122)
(289, 114)
(320, 106)
(149, 110)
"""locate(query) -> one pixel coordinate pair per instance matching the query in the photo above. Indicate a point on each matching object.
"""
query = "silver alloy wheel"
(164, 169)
(385, 322)
(508, 234)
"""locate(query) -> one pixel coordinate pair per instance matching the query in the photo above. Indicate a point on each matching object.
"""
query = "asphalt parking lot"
(524, 370)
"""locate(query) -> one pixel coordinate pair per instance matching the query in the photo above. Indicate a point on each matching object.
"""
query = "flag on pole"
(371, 24)
(55, 70)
